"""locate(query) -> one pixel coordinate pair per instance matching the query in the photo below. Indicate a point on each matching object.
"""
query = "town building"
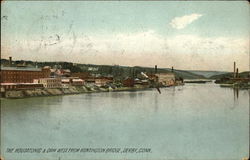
(49, 82)
(77, 82)
(145, 82)
(65, 82)
(128, 82)
(103, 81)
(22, 74)
(90, 80)
(60, 72)
(152, 77)
(72, 81)
(166, 79)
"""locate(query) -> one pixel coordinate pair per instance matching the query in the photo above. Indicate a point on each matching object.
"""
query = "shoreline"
(234, 86)
(29, 93)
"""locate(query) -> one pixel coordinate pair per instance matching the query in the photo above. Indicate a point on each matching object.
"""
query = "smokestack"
(237, 73)
(10, 61)
(172, 70)
(234, 75)
(155, 68)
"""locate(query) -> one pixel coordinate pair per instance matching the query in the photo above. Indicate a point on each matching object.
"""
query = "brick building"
(19, 86)
(128, 82)
(22, 74)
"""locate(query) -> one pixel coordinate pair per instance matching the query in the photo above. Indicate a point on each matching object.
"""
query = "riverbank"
(236, 85)
(197, 80)
(65, 91)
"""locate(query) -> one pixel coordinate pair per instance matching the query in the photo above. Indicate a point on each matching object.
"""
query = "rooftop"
(78, 80)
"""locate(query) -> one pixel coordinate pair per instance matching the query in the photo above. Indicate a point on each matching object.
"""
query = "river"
(194, 121)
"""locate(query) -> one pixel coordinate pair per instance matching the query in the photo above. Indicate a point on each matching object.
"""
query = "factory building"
(22, 74)
(166, 79)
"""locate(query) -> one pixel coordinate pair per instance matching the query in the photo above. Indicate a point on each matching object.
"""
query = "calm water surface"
(195, 121)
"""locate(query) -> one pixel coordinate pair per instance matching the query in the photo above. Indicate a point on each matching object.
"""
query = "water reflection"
(156, 102)
(236, 93)
(183, 119)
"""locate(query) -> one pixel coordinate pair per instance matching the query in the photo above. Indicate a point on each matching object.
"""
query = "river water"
(194, 121)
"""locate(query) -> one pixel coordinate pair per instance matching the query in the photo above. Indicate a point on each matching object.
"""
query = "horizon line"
(125, 65)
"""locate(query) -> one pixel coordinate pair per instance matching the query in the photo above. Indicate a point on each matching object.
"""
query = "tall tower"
(234, 74)
(237, 73)
(10, 61)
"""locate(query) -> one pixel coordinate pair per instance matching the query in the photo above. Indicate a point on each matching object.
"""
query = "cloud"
(182, 22)
(140, 48)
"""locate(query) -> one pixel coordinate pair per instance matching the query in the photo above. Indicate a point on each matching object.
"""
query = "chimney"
(234, 75)
(10, 61)
(237, 73)
(155, 69)
(172, 70)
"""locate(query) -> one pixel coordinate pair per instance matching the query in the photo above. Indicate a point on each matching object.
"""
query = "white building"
(102, 81)
(166, 79)
(65, 83)
(72, 81)
(77, 82)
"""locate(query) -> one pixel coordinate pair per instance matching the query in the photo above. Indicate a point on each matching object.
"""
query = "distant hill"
(115, 70)
(208, 74)
(230, 74)
(186, 74)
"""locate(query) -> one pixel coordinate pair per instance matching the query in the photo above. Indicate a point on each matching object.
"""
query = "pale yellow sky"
(187, 35)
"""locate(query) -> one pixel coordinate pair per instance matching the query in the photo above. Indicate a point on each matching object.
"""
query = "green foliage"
(118, 72)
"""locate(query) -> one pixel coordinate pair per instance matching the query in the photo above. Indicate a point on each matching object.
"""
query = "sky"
(193, 35)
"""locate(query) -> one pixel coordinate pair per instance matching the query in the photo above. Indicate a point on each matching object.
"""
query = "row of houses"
(66, 82)
(162, 79)
(26, 78)
(55, 83)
